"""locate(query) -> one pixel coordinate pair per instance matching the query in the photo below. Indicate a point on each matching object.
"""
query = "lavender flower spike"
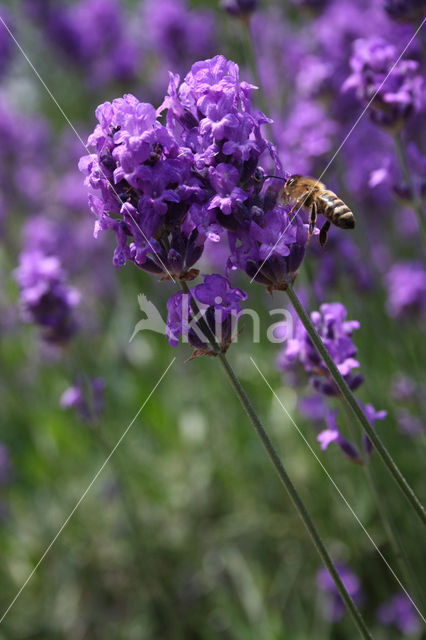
(45, 297)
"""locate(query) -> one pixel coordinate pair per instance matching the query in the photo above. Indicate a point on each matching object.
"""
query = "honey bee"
(311, 194)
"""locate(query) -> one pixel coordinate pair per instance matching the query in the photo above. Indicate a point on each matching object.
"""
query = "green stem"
(350, 400)
(416, 202)
(394, 541)
(285, 479)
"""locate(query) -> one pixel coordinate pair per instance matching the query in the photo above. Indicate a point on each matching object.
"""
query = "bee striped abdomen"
(335, 210)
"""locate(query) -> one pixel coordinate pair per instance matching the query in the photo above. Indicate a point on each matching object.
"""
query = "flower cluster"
(334, 608)
(395, 88)
(166, 188)
(45, 297)
(336, 333)
(220, 309)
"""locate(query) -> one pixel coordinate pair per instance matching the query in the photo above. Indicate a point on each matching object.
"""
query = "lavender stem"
(285, 479)
(350, 399)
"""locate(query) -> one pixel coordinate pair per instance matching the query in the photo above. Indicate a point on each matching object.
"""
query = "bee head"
(290, 185)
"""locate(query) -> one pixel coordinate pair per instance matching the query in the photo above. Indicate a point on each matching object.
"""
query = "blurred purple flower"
(96, 35)
(305, 135)
(400, 612)
(409, 424)
(312, 408)
(334, 607)
(86, 397)
(403, 387)
(23, 157)
(406, 289)
(178, 34)
(402, 92)
(45, 297)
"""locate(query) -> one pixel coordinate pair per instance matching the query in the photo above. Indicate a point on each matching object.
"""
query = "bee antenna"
(276, 178)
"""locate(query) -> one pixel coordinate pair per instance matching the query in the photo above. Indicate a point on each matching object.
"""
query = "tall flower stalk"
(281, 471)
(354, 407)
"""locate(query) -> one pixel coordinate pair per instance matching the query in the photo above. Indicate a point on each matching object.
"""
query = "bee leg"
(313, 218)
(323, 233)
(298, 204)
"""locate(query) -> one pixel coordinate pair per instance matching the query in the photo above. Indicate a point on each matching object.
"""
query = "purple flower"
(400, 612)
(219, 309)
(334, 607)
(336, 333)
(45, 297)
(402, 91)
(223, 179)
(86, 397)
(165, 188)
(406, 289)
(332, 434)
